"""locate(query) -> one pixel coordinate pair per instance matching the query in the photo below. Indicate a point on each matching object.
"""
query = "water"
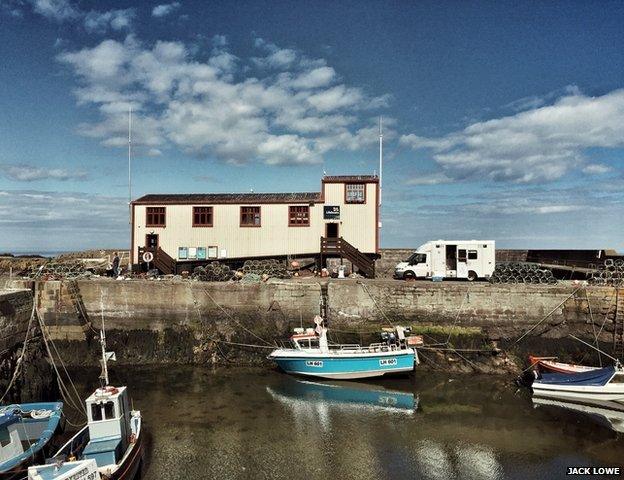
(259, 424)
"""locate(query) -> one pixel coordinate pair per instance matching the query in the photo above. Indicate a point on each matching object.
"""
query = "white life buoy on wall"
(148, 257)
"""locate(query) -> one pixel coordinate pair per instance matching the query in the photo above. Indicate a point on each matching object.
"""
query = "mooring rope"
(67, 396)
(519, 339)
(230, 316)
(18, 364)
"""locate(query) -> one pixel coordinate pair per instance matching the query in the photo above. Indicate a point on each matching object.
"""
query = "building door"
(331, 230)
(151, 241)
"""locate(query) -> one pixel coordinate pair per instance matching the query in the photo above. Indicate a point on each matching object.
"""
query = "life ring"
(148, 257)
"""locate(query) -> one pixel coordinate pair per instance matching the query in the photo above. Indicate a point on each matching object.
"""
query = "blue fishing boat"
(25, 431)
(311, 355)
(338, 393)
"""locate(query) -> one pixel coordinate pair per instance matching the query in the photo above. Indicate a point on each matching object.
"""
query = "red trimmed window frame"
(155, 216)
(248, 216)
(205, 215)
(298, 215)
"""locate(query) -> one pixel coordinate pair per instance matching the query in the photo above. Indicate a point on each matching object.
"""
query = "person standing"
(116, 269)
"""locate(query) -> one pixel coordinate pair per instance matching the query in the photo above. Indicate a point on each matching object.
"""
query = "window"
(96, 412)
(472, 254)
(355, 193)
(299, 216)
(155, 216)
(417, 258)
(461, 255)
(202, 216)
(250, 217)
(109, 410)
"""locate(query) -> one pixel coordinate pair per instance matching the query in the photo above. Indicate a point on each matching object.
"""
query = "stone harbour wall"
(178, 321)
(34, 380)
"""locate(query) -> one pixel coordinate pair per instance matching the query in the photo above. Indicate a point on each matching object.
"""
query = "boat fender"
(133, 438)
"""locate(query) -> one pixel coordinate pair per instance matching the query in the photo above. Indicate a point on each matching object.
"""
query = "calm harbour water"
(259, 424)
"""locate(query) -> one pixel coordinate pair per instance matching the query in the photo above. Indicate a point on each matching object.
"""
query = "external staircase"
(339, 247)
(164, 262)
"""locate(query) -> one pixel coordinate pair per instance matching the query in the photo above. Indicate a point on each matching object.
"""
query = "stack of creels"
(610, 272)
(271, 268)
(213, 272)
(55, 269)
(513, 272)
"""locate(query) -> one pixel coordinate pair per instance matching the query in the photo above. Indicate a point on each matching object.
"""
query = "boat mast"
(130, 164)
(380, 156)
(104, 374)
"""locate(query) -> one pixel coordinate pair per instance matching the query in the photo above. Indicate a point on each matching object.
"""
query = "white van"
(469, 259)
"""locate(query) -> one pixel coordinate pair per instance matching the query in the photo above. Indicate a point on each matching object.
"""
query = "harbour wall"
(24, 376)
(179, 321)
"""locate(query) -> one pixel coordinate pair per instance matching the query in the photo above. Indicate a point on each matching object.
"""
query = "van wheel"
(472, 276)
(409, 276)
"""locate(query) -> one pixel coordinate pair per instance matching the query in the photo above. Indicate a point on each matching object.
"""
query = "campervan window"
(472, 255)
(416, 258)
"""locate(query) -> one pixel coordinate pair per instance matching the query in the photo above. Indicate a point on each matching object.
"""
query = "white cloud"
(58, 10)
(596, 169)
(429, 179)
(114, 19)
(536, 145)
(293, 112)
(29, 173)
(165, 9)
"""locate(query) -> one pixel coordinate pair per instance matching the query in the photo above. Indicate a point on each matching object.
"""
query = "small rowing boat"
(547, 364)
(311, 355)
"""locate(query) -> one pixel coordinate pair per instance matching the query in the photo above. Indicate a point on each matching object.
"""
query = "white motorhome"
(469, 259)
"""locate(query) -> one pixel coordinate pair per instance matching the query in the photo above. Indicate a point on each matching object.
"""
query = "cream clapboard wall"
(275, 237)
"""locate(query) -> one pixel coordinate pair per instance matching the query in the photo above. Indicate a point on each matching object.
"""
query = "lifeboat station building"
(180, 231)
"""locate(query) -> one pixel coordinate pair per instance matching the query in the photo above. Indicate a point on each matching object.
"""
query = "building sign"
(331, 212)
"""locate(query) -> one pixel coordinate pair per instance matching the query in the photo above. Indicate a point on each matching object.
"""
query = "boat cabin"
(308, 339)
(109, 415)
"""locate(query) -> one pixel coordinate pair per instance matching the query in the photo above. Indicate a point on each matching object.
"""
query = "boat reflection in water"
(306, 396)
(607, 414)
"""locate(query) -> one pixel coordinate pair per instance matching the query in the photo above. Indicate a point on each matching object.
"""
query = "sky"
(502, 120)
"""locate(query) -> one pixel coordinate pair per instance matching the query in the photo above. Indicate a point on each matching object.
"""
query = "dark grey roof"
(216, 198)
(350, 178)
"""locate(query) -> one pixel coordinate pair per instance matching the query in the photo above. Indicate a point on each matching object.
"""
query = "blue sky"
(504, 120)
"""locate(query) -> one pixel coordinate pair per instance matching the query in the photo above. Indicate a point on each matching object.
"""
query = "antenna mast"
(380, 156)
(130, 164)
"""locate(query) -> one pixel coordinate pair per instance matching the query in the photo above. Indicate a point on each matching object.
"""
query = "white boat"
(608, 414)
(313, 356)
(109, 447)
(603, 384)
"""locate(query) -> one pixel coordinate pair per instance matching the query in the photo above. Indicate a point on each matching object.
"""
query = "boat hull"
(347, 367)
(558, 367)
(610, 393)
